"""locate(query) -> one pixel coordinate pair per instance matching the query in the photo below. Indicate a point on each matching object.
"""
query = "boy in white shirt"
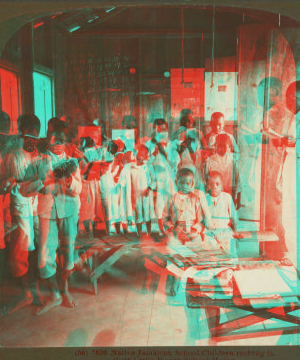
(56, 179)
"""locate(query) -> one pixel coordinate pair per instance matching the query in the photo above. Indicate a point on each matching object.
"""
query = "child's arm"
(168, 215)
(203, 211)
(233, 215)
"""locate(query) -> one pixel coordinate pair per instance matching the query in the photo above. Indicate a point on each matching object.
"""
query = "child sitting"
(217, 127)
(223, 212)
(186, 213)
(226, 163)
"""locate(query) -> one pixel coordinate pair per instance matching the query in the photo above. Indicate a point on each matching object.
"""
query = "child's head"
(116, 146)
(215, 183)
(160, 176)
(4, 123)
(223, 144)
(89, 142)
(186, 118)
(185, 180)
(142, 154)
(160, 125)
(58, 131)
(29, 129)
(217, 122)
(129, 122)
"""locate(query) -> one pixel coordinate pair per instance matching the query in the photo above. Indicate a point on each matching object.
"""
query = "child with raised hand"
(217, 127)
(222, 211)
(225, 162)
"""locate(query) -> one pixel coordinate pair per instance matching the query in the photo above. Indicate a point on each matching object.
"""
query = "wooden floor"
(120, 315)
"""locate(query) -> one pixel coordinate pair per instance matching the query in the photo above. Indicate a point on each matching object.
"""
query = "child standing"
(138, 182)
(56, 179)
(217, 127)
(90, 195)
(22, 209)
(226, 163)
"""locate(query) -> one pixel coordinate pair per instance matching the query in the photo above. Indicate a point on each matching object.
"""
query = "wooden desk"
(237, 325)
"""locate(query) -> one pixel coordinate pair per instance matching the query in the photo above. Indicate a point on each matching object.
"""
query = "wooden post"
(27, 70)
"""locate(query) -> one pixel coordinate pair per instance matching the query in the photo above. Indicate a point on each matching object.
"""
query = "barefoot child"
(22, 209)
(57, 181)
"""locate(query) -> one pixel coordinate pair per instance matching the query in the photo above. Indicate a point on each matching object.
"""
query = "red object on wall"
(10, 101)
(188, 93)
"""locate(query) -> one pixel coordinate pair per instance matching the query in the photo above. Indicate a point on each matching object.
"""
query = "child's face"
(142, 157)
(222, 148)
(58, 138)
(190, 122)
(160, 180)
(185, 184)
(160, 128)
(218, 125)
(215, 186)
(30, 140)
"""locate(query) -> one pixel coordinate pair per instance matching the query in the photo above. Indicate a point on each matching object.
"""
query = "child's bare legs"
(125, 227)
(107, 225)
(26, 298)
(56, 298)
(118, 228)
(139, 228)
(161, 226)
(148, 224)
(86, 225)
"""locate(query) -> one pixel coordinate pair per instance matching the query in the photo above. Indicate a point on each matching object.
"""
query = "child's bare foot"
(68, 300)
(25, 301)
(55, 301)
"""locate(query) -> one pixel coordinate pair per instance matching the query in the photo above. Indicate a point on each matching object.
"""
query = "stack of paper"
(261, 283)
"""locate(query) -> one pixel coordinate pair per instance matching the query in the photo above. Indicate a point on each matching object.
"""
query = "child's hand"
(145, 193)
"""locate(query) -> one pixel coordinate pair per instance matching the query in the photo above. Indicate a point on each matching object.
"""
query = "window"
(10, 96)
(43, 99)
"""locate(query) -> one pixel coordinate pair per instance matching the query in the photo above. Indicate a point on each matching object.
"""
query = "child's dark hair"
(223, 139)
(184, 114)
(214, 175)
(4, 122)
(127, 120)
(185, 172)
(56, 125)
(158, 122)
(89, 142)
(28, 122)
(216, 116)
(142, 148)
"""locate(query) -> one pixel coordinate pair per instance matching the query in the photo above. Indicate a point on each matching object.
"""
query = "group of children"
(188, 184)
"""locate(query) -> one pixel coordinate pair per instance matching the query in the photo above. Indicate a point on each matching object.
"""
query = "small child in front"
(223, 212)
(186, 213)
